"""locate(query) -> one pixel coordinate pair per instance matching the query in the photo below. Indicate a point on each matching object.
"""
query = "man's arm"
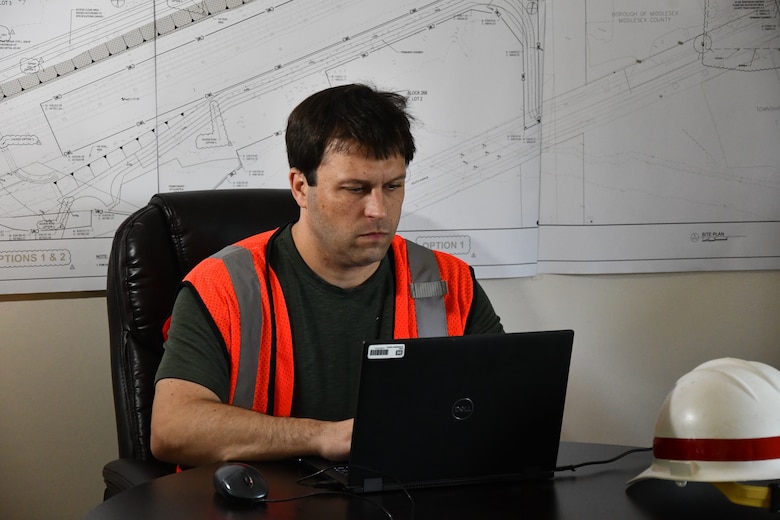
(191, 426)
(192, 423)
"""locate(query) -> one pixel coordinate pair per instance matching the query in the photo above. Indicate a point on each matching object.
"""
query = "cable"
(574, 467)
(320, 493)
(302, 481)
(334, 467)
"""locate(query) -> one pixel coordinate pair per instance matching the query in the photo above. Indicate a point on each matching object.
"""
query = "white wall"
(56, 410)
(635, 335)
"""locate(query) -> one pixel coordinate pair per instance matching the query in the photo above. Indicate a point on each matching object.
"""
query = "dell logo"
(463, 408)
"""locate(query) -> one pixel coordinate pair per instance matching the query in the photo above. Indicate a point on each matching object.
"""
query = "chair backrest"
(152, 251)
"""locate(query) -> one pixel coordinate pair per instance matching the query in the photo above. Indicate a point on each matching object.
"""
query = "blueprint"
(661, 136)
(104, 103)
(605, 136)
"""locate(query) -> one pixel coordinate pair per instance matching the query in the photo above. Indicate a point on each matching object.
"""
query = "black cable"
(574, 467)
(402, 488)
(331, 493)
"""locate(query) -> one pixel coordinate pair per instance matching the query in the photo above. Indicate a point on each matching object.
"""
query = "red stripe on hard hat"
(723, 450)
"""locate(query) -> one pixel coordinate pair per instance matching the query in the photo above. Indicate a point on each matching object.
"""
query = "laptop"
(457, 410)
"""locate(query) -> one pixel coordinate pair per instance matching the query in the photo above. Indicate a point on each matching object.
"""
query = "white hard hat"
(720, 423)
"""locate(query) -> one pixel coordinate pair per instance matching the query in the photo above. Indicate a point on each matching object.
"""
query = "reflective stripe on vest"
(240, 266)
(428, 290)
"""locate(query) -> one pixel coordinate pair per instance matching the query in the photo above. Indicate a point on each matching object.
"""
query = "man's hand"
(336, 440)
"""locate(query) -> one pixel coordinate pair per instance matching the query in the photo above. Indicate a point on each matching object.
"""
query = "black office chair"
(152, 251)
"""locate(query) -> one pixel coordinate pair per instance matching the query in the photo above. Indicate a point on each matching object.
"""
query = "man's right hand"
(336, 440)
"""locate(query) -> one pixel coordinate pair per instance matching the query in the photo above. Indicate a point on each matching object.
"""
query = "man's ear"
(298, 186)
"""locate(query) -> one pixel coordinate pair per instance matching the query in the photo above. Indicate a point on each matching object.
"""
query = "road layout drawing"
(105, 103)
(609, 136)
(661, 136)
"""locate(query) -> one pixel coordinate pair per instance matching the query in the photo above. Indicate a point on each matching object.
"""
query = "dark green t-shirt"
(328, 324)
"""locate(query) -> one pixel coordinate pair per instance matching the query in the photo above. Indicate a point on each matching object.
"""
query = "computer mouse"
(239, 482)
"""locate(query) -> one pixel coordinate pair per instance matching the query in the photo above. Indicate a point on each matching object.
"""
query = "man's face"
(351, 214)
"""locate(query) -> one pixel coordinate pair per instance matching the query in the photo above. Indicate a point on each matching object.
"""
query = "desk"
(592, 492)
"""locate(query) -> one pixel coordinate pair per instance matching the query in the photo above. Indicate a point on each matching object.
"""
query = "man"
(263, 348)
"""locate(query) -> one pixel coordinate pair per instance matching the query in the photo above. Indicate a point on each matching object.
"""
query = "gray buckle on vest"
(435, 289)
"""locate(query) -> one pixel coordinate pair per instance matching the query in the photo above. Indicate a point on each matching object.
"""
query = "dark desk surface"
(592, 492)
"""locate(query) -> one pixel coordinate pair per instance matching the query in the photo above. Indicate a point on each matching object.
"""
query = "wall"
(56, 410)
(635, 335)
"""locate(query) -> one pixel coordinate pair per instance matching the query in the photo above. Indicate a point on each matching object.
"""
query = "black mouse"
(239, 482)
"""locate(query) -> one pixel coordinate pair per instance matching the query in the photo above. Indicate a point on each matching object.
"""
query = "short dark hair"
(350, 118)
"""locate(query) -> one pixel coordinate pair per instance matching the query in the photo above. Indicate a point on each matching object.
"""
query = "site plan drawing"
(606, 136)
(661, 147)
(105, 103)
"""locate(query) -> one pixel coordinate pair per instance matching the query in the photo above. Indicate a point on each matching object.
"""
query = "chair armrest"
(122, 474)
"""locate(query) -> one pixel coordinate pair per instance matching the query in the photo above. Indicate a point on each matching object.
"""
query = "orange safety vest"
(434, 292)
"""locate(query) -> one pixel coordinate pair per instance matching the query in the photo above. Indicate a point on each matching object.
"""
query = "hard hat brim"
(710, 471)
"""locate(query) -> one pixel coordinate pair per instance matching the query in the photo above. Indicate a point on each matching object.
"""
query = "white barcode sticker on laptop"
(389, 351)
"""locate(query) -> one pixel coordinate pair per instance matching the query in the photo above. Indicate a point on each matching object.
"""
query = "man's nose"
(375, 204)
